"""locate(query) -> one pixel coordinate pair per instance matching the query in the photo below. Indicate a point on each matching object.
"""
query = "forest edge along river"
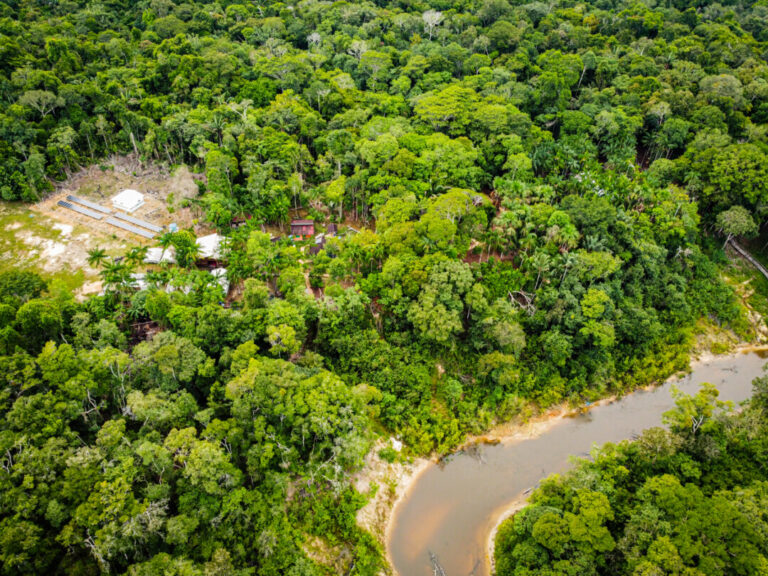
(447, 514)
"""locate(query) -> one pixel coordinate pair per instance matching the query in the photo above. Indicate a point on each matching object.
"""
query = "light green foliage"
(438, 313)
(255, 294)
(694, 413)
(736, 221)
(282, 340)
(185, 246)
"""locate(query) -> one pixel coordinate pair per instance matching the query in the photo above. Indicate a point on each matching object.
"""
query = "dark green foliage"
(530, 189)
(134, 464)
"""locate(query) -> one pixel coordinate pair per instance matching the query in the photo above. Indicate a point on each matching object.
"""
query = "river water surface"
(451, 509)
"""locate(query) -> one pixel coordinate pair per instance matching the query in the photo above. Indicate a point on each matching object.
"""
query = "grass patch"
(24, 237)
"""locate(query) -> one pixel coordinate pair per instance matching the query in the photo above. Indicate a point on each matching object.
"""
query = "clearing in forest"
(55, 241)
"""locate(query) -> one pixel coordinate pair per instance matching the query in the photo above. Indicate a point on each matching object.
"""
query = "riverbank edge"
(378, 516)
(509, 510)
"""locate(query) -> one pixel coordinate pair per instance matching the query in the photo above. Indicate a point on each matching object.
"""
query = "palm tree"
(136, 255)
(594, 244)
(96, 257)
(492, 239)
(569, 237)
(529, 242)
(541, 262)
(166, 241)
(115, 275)
(568, 261)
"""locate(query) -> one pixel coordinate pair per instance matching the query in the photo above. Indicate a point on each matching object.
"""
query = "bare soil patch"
(167, 194)
(55, 241)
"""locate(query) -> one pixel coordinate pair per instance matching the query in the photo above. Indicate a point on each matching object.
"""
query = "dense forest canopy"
(536, 190)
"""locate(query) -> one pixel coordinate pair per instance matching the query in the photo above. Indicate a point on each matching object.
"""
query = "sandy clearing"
(65, 229)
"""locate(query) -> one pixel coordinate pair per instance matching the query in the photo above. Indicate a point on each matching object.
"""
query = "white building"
(210, 246)
(156, 255)
(139, 281)
(128, 200)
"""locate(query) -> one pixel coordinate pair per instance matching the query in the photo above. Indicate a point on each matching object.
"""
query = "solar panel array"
(80, 210)
(138, 222)
(128, 227)
(89, 204)
(120, 219)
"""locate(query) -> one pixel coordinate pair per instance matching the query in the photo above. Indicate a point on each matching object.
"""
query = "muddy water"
(450, 509)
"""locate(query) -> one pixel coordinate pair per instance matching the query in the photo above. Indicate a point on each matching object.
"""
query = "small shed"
(157, 255)
(128, 200)
(303, 228)
(209, 254)
(332, 229)
(139, 281)
(239, 221)
(210, 246)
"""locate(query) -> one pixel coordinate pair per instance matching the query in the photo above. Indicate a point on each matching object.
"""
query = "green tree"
(736, 221)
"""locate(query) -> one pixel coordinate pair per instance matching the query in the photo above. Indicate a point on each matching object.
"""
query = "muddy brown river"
(451, 509)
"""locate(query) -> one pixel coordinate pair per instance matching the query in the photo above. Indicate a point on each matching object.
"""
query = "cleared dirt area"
(166, 195)
(55, 241)
(58, 251)
(102, 181)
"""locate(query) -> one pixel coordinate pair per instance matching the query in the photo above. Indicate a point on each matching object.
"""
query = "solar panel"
(80, 210)
(89, 204)
(138, 222)
(128, 227)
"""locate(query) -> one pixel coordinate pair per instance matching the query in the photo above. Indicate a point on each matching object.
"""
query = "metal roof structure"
(210, 246)
(221, 277)
(88, 204)
(138, 222)
(79, 209)
(124, 226)
(157, 255)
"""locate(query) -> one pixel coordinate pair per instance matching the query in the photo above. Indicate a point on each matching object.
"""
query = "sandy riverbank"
(507, 512)
(393, 481)
(519, 503)
(390, 483)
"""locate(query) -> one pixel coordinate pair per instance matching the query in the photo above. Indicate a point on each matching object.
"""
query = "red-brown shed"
(303, 228)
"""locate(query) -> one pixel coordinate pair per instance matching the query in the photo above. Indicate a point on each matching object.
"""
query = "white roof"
(128, 199)
(157, 255)
(210, 246)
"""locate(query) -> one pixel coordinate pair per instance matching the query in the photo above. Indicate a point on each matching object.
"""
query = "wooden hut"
(303, 228)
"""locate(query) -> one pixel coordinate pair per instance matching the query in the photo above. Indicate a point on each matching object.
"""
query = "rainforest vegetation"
(534, 199)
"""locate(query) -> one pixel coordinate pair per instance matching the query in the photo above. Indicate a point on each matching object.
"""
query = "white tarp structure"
(210, 246)
(128, 200)
(139, 281)
(157, 255)
(221, 277)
